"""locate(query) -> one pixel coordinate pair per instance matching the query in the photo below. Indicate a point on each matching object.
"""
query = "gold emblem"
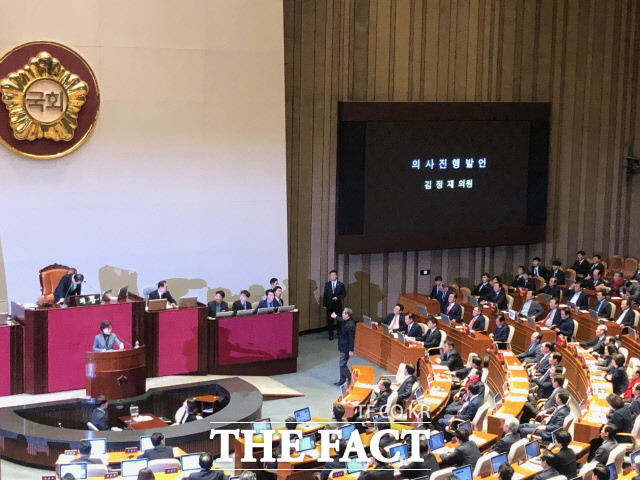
(43, 99)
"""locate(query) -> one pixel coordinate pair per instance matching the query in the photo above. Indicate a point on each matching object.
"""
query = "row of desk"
(44, 348)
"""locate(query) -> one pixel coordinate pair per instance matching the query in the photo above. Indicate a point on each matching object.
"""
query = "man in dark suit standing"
(466, 453)
(581, 265)
(159, 450)
(69, 284)
(346, 343)
(451, 358)
(242, 303)
(537, 269)
(618, 376)
(556, 272)
(218, 305)
(162, 292)
(435, 290)
(334, 293)
(99, 417)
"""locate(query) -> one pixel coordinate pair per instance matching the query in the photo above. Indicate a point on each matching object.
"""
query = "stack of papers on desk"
(512, 398)
(142, 418)
(438, 394)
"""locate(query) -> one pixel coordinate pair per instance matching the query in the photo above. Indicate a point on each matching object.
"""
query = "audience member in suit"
(450, 357)
(501, 332)
(532, 354)
(277, 296)
(433, 337)
(242, 303)
(205, 473)
(188, 412)
(346, 343)
(218, 304)
(411, 328)
(627, 316)
(436, 290)
(473, 362)
(498, 297)
(510, 428)
(546, 460)
(530, 411)
(594, 281)
(162, 292)
(552, 422)
(468, 409)
(595, 265)
(531, 307)
(463, 395)
(69, 284)
(465, 453)
(602, 306)
(620, 415)
(606, 361)
(405, 388)
(384, 387)
(553, 317)
(106, 341)
(395, 320)
(478, 322)
(557, 273)
(99, 417)
(423, 468)
(537, 269)
(545, 384)
(270, 301)
(335, 463)
(451, 308)
(576, 296)
(159, 450)
(596, 344)
(635, 380)
(539, 368)
(565, 461)
(527, 282)
(618, 376)
(608, 443)
(334, 293)
(84, 448)
(634, 406)
(484, 287)
(581, 265)
(565, 327)
(518, 279)
(550, 289)
(337, 418)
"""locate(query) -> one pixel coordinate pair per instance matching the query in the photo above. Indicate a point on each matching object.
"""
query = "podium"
(117, 374)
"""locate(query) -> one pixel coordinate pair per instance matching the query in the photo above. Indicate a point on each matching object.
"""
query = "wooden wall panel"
(580, 55)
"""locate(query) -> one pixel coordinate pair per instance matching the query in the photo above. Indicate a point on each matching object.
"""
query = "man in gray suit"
(531, 307)
(608, 436)
(106, 341)
(532, 354)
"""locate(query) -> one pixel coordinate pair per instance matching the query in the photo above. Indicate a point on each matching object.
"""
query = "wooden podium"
(118, 374)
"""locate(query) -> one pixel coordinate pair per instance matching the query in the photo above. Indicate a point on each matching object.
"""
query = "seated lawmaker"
(478, 321)
(433, 337)
(565, 461)
(465, 453)
(532, 354)
(501, 332)
(451, 308)
(602, 306)
(187, 412)
(550, 289)
(162, 292)
(510, 428)
(577, 297)
(597, 343)
(531, 307)
(551, 423)
(159, 450)
(69, 284)
(498, 297)
(565, 327)
(467, 409)
(107, 340)
(99, 417)
(627, 316)
(483, 288)
(384, 389)
(547, 471)
(595, 281)
(268, 302)
(620, 415)
(424, 468)
(633, 381)
(334, 464)
(608, 437)
(206, 473)
(406, 387)
(450, 356)
(395, 319)
(436, 290)
(218, 305)
(527, 282)
(617, 282)
(553, 317)
(84, 448)
(242, 303)
(411, 328)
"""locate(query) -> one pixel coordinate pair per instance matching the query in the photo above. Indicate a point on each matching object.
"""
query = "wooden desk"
(512, 375)
(116, 457)
(523, 332)
(155, 422)
(385, 351)
(11, 356)
(360, 390)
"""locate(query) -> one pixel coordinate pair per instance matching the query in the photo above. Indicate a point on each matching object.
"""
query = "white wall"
(184, 175)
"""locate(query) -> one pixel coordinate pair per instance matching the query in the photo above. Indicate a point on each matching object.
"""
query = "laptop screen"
(190, 462)
(98, 445)
(353, 465)
(403, 450)
(347, 431)
(613, 474)
(307, 442)
(130, 468)
(302, 415)
(532, 450)
(145, 443)
(260, 425)
(467, 426)
(497, 399)
(497, 461)
(436, 441)
(553, 434)
(344, 388)
(78, 470)
(635, 457)
(419, 392)
(463, 473)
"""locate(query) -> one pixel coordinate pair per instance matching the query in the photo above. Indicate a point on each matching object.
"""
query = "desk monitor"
(401, 337)
(631, 333)
(385, 329)
(402, 449)
(553, 434)
(473, 301)
(422, 311)
(497, 399)
(462, 473)
(571, 305)
(260, 425)
(245, 313)
(353, 465)
(145, 443)
(513, 314)
(187, 302)
(225, 314)
(635, 457)
(532, 322)
(156, 305)
(444, 318)
(78, 470)
(303, 415)
(613, 473)
(106, 295)
(130, 468)
(122, 293)
(98, 445)
(593, 314)
(367, 320)
(419, 393)
(266, 310)
(532, 450)
(190, 462)
(344, 389)
(286, 308)
(307, 442)
(545, 297)
(346, 431)
(436, 441)
(467, 426)
(498, 460)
